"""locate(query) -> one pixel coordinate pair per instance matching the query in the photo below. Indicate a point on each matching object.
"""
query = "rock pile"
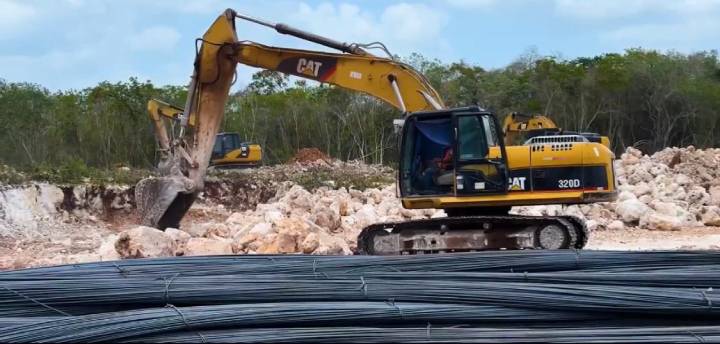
(673, 189)
(326, 221)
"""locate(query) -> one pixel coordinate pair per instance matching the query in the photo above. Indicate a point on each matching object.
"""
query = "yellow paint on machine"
(509, 199)
(544, 156)
(234, 157)
(529, 157)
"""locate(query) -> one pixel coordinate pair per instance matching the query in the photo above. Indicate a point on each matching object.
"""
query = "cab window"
(472, 138)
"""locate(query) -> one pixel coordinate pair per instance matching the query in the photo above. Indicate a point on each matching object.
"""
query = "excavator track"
(472, 233)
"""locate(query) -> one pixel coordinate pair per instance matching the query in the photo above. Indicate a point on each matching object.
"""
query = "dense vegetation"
(640, 98)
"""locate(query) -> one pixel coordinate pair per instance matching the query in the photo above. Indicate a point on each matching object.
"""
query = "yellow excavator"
(454, 159)
(229, 151)
(518, 128)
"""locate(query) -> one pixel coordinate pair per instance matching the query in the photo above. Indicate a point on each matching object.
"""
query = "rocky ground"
(670, 200)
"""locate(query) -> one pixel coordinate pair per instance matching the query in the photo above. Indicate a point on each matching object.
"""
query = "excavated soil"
(310, 155)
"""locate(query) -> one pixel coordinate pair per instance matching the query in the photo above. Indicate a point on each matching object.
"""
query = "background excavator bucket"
(163, 201)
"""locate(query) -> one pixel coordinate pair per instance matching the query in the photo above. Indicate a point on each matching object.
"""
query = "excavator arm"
(163, 201)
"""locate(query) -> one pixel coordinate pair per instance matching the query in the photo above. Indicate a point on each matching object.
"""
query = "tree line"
(640, 98)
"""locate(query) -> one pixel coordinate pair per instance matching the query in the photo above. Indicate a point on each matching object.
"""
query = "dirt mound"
(326, 221)
(310, 155)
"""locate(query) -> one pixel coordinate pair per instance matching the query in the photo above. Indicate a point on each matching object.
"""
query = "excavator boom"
(390, 81)
(163, 201)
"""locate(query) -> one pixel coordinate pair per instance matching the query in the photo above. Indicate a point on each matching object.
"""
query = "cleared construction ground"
(668, 201)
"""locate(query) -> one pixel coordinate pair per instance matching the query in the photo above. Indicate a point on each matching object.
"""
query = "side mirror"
(398, 124)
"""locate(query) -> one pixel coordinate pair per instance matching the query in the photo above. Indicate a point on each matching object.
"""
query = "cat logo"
(309, 67)
(320, 68)
(516, 183)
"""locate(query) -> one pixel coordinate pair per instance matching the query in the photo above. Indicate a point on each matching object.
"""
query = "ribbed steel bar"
(496, 261)
(436, 334)
(73, 297)
(105, 327)
(497, 296)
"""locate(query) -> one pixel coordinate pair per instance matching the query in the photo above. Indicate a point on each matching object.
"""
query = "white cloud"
(41, 68)
(343, 21)
(14, 17)
(681, 25)
(413, 22)
(156, 38)
(196, 6)
(75, 3)
(109, 40)
(683, 36)
(609, 9)
(471, 4)
(77, 44)
(602, 9)
(692, 6)
(403, 27)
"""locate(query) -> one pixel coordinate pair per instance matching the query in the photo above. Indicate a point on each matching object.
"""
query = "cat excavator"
(454, 159)
(229, 151)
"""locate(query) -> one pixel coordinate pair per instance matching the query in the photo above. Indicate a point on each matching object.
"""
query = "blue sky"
(64, 44)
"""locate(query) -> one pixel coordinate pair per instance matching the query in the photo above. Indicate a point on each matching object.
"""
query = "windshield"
(472, 138)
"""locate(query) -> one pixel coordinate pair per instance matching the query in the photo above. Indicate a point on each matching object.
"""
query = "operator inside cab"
(430, 147)
(450, 154)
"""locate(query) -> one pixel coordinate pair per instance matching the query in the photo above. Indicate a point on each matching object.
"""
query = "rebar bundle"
(503, 296)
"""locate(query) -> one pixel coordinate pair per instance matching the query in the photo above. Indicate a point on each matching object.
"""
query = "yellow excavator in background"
(518, 128)
(454, 159)
(229, 151)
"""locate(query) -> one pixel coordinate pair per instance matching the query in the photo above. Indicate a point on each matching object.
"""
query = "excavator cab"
(459, 152)
(224, 144)
(229, 151)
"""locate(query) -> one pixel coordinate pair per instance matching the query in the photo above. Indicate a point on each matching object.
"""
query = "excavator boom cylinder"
(308, 36)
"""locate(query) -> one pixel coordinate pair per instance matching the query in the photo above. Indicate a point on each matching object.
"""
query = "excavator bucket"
(163, 201)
